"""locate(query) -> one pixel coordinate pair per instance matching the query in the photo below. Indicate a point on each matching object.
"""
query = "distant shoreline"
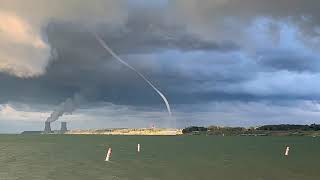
(130, 132)
(266, 130)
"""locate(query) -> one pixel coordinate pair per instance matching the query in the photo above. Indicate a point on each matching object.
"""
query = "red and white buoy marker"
(108, 154)
(287, 151)
(138, 148)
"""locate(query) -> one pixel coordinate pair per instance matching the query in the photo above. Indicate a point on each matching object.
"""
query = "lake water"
(81, 157)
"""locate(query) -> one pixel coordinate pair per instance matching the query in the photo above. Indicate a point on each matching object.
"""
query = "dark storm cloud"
(290, 60)
(206, 9)
(202, 53)
(283, 45)
(144, 32)
(81, 65)
(226, 19)
(186, 73)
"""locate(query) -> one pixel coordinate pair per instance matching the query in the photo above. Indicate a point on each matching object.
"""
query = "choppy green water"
(54, 157)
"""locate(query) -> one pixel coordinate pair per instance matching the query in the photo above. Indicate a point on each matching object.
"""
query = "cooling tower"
(63, 127)
(47, 128)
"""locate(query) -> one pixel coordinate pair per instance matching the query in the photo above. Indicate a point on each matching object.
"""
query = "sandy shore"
(125, 131)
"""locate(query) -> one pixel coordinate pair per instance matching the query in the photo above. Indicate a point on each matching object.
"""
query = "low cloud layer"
(15, 118)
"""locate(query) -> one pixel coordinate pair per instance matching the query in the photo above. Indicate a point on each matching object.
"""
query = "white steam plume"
(66, 107)
(106, 47)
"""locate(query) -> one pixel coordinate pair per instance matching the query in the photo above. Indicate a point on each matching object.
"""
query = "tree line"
(216, 130)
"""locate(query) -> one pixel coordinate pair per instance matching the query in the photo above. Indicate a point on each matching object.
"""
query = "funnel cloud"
(106, 47)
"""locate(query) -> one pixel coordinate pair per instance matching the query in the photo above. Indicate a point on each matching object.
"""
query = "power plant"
(47, 128)
(63, 127)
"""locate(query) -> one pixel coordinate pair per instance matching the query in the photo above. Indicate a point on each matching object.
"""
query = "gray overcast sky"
(222, 62)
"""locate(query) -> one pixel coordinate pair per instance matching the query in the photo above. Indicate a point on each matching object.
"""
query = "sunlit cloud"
(23, 51)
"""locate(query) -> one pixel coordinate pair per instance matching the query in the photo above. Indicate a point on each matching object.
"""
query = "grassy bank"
(129, 131)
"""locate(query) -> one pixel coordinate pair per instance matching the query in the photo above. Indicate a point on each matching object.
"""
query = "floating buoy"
(138, 148)
(108, 154)
(287, 151)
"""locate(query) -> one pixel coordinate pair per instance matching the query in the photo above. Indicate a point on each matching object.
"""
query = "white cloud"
(9, 112)
(23, 52)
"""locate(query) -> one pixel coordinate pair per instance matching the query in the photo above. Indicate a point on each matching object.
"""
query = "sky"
(218, 62)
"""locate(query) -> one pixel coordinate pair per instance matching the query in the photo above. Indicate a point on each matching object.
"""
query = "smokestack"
(47, 128)
(63, 127)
